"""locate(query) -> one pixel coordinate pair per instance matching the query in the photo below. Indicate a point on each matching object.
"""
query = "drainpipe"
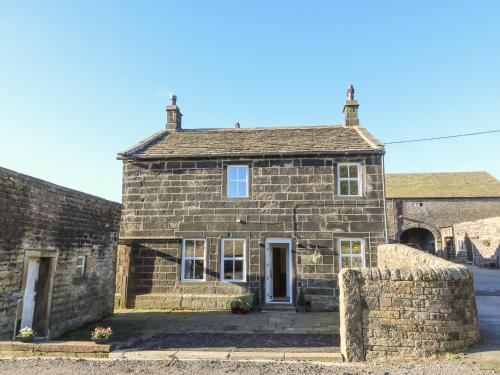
(385, 200)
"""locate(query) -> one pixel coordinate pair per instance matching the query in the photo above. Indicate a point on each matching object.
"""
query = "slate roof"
(441, 185)
(254, 141)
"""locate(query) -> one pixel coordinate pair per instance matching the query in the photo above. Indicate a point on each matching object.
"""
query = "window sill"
(233, 281)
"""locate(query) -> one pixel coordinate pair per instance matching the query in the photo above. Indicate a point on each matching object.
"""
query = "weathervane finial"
(173, 99)
(350, 92)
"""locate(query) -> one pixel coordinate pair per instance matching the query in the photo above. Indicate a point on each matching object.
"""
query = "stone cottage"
(57, 256)
(423, 208)
(211, 214)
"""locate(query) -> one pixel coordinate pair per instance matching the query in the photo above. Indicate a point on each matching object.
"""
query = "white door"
(269, 274)
(30, 293)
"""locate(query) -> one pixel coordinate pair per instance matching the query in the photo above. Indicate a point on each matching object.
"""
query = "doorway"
(37, 287)
(278, 278)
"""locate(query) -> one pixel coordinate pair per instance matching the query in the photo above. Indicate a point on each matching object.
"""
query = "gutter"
(253, 154)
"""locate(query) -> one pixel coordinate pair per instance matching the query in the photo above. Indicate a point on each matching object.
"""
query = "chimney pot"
(351, 108)
(237, 125)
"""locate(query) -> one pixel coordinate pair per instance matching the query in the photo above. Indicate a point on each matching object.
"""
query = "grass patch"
(451, 357)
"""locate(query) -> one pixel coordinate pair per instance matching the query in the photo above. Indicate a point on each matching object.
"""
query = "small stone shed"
(422, 208)
(412, 305)
(57, 256)
(479, 239)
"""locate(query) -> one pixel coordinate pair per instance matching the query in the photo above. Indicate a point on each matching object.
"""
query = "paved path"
(149, 329)
(487, 288)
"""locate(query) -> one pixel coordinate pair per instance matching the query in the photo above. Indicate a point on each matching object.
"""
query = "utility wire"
(444, 137)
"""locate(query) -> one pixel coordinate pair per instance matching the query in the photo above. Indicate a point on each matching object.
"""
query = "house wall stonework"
(413, 305)
(434, 214)
(38, 218)
(167, 201)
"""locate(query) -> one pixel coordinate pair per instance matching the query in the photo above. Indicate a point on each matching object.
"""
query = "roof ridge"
(285, 127)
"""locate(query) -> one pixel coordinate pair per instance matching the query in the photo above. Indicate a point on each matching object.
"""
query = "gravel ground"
(112, 367)
(268, 341)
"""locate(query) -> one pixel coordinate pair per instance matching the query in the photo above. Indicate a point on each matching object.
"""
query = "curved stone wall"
(413, 305)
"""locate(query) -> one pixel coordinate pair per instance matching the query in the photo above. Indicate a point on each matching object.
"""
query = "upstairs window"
(233, 263)
(80, 266)
(349, 180)
(351, 253)
(237, 181)
(193, 259)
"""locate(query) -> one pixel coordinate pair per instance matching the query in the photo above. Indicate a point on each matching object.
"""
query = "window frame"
(351, 255)
(237, 181)
(184, 258)
(82, 267)
(359, 179)
(233, 258)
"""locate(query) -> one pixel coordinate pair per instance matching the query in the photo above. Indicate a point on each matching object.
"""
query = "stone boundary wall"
(413, 305)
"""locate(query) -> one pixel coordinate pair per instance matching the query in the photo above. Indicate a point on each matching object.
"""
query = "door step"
(282, 308)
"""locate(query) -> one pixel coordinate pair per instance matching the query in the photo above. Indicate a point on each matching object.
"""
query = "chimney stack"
(351, 108)
(174, 115)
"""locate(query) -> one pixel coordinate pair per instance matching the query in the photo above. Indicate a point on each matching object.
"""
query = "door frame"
(53, 255)
(268, 279)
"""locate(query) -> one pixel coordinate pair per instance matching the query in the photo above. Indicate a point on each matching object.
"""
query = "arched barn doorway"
(419, 238)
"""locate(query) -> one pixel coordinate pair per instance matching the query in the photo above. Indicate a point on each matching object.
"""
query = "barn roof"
(442, 185)
(232, 142)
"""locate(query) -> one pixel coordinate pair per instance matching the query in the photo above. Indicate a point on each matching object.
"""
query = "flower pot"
(101, 341)
(25, 338)
(244, 311)
(235, 310)
(301, 309)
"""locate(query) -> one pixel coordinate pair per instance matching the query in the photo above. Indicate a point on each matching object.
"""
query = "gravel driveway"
(112, 367)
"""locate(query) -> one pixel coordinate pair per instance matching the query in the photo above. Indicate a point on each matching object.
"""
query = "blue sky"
(82, 80)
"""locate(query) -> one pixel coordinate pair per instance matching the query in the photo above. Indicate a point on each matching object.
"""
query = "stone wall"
(165, 202)
(436, 213)
(413, 305)
(484, 238)
(41, 219)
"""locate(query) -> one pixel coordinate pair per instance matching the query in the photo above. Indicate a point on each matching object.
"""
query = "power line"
(444, 137)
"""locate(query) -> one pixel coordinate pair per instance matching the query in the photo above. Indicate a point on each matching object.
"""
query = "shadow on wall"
(419, 238)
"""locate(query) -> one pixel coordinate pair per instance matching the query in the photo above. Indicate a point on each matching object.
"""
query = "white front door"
(269, 273)
(30, 292)
(286, 295)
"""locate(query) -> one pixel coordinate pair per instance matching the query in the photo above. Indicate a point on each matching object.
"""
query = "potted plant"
(235, 306)
(301, 301)
(101, 335)
(25, 334)
(245, 307)
(308, 306)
